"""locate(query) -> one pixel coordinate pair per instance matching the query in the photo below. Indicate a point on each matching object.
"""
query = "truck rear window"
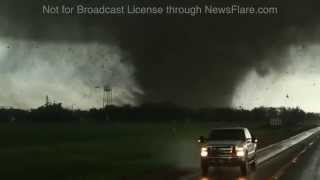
(227, 134)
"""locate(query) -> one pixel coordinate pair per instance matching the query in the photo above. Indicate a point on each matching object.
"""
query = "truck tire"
(204, 168)
(253, 165)
(244, 168)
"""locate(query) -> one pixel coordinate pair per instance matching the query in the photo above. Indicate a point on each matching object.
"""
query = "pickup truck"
(228, 147)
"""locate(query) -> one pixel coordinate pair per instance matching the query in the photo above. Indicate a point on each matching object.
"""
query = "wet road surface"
(307, 166)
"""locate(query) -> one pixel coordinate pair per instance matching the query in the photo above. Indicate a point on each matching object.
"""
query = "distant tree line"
(152, 112)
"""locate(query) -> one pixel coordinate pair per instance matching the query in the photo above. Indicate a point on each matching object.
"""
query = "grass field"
(112, 152)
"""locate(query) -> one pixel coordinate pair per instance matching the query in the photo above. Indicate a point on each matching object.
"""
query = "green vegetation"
(107, 151)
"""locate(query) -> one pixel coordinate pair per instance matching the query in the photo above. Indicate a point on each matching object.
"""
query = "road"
(302, 161)
(307, 167)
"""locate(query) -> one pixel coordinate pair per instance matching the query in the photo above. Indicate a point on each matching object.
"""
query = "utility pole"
(47, 101)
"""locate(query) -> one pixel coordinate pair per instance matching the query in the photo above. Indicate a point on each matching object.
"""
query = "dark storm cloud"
(194, 61)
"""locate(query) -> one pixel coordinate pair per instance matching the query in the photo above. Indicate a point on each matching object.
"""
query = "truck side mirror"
(201, 139)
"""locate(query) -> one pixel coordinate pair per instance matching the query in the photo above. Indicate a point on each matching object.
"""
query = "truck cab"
(233, 146)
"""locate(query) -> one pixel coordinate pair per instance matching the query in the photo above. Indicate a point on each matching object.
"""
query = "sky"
(37, 69)
(200, 61)
(298, 85)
